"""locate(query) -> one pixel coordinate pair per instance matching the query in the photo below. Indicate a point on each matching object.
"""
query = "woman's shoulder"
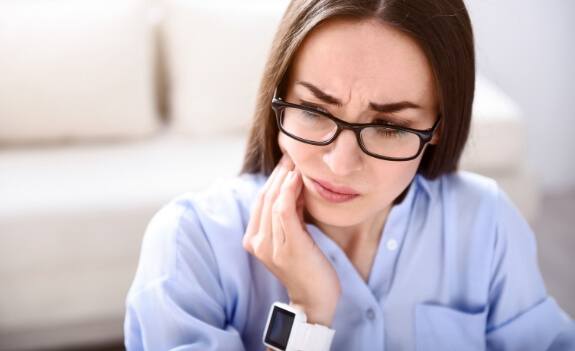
(474, 200)
(463, 184)
(470, 199)
(225, 201)
(463, 191)
(206, 223)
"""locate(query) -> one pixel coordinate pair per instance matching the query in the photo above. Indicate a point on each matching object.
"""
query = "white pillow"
(75, 69)
(216, 51)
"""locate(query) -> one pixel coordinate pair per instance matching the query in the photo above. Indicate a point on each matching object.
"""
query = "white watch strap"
(319, 337)
(311, 337)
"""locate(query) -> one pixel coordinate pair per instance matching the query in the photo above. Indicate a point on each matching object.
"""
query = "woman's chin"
(328, 214)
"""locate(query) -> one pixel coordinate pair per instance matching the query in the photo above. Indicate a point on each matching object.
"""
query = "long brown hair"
(442, 29)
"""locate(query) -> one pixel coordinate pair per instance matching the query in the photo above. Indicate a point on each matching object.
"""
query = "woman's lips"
(336, 189)
(329, 192)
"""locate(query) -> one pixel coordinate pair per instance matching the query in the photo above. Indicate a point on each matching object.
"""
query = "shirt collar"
(424, 184)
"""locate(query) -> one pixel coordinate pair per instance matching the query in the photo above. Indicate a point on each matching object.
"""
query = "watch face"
(279, 328)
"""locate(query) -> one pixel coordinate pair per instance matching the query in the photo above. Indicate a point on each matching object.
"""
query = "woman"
(349, 206)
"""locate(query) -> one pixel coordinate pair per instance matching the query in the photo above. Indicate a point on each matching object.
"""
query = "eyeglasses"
(380, 140)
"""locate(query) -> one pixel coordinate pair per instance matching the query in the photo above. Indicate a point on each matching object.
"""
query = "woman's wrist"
(322, 314)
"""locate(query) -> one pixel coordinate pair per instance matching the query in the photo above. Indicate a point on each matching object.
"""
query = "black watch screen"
(279, 328)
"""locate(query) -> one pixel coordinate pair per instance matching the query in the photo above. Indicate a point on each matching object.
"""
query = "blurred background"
(110, 108)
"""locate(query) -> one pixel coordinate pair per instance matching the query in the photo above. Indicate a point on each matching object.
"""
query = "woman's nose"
(343, 156)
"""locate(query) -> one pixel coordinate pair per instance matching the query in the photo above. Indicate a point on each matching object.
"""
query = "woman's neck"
(357, 238)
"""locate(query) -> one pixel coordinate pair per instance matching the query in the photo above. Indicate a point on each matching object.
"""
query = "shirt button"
(391, 244)
(370, 314)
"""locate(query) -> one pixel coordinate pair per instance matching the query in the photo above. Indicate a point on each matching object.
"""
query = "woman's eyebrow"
(320, 94)
(383, 108)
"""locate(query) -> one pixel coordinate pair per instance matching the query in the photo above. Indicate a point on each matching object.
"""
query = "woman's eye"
(310, 114)
(388, 122)
(386, 132)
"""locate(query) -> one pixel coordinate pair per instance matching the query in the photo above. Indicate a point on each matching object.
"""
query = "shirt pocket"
(444, 328)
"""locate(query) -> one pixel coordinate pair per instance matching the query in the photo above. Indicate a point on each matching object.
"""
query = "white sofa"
(108, 109)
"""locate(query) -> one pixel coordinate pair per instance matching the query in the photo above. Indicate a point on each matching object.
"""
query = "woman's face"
(357, 63)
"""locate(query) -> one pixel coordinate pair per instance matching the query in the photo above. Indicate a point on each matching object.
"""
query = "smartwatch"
(287, 330)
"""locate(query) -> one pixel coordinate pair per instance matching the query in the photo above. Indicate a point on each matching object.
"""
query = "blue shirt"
(455, 269)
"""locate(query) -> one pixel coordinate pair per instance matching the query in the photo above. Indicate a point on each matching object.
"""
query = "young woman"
(349, 208)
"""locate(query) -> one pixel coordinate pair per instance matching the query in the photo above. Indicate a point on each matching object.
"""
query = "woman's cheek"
(296, 150)
(285, 145)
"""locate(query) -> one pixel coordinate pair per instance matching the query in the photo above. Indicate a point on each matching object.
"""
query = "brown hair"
(442, 29)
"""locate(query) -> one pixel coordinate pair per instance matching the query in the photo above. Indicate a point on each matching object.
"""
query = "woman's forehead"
(367, 57)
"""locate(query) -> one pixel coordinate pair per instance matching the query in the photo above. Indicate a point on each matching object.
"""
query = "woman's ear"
(437, 135)
(435, 138)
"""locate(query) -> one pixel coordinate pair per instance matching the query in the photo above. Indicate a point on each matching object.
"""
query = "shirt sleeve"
(176, 300)
(521, 315)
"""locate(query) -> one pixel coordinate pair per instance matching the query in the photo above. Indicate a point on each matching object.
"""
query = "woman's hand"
(277, 236)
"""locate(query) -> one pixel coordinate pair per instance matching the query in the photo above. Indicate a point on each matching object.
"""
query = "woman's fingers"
(258, 236)
(300, 203)
(255, 217)
(256, 210)
(278, 211)
(269, 199)
(286, 207)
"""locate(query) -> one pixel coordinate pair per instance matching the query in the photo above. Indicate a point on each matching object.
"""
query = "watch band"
(287, 330)
(311, 337)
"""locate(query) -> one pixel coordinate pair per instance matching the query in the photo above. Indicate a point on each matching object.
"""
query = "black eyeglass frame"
(425, 136)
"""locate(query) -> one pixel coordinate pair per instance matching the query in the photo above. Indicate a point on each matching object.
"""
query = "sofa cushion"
(497, 139)
(72, 220)
(216, 51)
(68, 179)
(75, 69)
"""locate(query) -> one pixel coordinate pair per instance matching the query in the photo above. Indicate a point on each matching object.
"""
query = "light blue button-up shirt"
(456, 269)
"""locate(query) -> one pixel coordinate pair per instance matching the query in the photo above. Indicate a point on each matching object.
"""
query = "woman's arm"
(276, 235)
(521, 314)
(176, 300)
